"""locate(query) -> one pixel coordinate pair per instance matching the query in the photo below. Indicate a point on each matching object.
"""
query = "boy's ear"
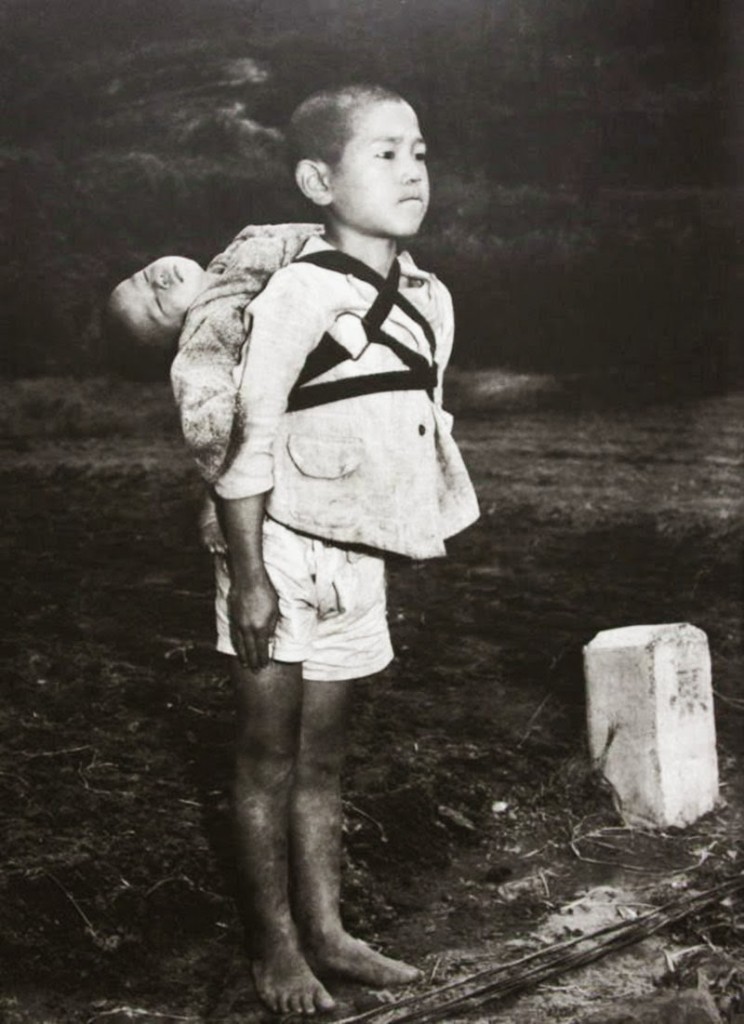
(313, 180)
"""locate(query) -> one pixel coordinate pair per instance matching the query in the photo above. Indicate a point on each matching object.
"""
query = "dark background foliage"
(583, 157)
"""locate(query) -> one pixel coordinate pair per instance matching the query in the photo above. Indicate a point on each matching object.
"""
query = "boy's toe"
(308, 1004)
(324, 1000)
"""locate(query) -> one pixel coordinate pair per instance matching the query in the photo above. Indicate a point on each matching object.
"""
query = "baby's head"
(151, 305)
(359, 154)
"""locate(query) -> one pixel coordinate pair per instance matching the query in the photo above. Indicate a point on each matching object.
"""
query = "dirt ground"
(472, 814)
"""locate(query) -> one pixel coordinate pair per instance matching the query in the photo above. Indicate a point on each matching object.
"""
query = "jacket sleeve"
(286, 323)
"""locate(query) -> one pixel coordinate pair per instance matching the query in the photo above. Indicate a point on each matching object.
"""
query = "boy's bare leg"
(268, 724)
(315, 826)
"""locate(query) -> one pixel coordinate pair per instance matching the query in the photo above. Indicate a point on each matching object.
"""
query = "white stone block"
(651, 722)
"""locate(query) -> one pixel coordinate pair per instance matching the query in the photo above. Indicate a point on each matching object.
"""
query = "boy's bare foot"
(285, 983)
(343, 954)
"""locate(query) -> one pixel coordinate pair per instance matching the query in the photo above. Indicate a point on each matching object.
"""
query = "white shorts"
(332, 606)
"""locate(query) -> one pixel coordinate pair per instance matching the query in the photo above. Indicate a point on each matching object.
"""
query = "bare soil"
(472, 814)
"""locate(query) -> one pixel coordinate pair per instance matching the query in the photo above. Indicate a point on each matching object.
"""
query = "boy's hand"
(252, 604)
(254, 613)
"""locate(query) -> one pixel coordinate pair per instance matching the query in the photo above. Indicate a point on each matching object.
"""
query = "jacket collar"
(408, 268)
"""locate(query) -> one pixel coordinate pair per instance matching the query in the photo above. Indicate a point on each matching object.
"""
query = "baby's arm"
(210, 531)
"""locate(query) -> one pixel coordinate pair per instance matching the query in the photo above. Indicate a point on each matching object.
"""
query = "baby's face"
(154, 301)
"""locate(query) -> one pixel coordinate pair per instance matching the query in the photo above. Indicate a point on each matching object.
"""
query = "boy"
(343, 453)
(346, 454)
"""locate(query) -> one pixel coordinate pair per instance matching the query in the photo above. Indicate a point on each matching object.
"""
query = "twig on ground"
(435, 968)
(19, 778)
(539, 849)
(577, 837)
(136, 1011)
(82, 773)
(185, 880)
(609, 863)
(54, 753)
(363, 814)
(167, 881)
(738, 705)
(533, 718)
(638, 830)
(76, 905)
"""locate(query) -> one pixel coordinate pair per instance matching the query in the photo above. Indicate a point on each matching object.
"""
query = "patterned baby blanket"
(213, 336)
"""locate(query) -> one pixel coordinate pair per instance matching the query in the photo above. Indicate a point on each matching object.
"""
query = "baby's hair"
(322, 124)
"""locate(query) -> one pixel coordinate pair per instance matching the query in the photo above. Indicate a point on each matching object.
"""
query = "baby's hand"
(212, 537)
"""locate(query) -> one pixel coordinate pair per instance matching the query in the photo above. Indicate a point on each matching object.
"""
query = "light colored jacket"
(380, 470)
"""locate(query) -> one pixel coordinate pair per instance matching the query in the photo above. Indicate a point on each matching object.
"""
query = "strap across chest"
(418, 375)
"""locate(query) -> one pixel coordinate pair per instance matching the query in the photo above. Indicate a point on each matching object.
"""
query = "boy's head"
(150, 306)
(359, 155)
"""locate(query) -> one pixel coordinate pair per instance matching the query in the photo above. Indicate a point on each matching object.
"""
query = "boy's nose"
(412, 171)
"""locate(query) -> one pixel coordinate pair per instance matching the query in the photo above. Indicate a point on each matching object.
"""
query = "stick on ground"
(495, 983)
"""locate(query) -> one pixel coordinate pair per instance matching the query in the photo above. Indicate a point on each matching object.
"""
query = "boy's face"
(154, 301)
(380, 186)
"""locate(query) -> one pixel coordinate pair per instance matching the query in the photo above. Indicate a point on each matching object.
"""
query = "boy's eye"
(421, 155)
(387, 154)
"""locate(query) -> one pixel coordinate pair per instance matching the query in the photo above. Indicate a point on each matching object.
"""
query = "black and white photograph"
(372, 459)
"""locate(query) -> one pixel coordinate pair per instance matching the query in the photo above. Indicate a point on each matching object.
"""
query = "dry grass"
(62, 407)
(100, 407)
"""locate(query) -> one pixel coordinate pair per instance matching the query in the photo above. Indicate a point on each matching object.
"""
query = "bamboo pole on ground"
(495, 983)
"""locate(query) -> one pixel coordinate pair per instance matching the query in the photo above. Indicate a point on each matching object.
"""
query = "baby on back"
(173, 301)
(173, 306)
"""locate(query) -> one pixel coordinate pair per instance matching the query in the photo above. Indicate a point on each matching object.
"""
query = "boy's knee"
(262, 762)
(319, 765)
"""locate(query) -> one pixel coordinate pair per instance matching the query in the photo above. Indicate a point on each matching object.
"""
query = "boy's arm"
(253, 604)
(445, 338)
(287, 324)
(288, 321)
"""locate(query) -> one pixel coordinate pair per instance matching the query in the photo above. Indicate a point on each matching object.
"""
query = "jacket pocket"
(326, 458)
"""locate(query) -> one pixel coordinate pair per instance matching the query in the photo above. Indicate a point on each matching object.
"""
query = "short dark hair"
(321, 126)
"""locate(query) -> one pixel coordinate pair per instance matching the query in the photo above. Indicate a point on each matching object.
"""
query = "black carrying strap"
(419, 375)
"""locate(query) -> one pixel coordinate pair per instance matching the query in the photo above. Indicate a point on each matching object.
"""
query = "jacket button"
(422, 429)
